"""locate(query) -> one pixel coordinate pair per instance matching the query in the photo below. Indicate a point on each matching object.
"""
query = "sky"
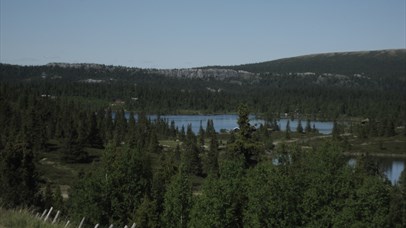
(191, 33)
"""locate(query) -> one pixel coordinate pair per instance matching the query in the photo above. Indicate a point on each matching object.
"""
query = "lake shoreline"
(387, 155)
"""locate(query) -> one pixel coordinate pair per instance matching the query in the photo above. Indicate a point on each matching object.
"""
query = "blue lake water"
(391, 167)
(229, 122)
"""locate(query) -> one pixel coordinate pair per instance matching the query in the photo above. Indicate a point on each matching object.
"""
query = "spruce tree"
(72, 149)
(314, 129)
(178, 201)
(211, 164)
(222, 198)
(287, 131)
(390, 129)
(335, 132)
(201, 137)
(245, 145)
(18, 176)
(190, 154)
(308, 128)
(94, 138)
(299, 128)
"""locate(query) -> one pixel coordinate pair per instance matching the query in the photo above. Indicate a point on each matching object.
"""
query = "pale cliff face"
(219, 74)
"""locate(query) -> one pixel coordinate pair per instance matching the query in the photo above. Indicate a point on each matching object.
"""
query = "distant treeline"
(141, 91)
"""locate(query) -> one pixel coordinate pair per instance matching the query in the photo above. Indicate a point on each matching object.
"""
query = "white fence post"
(49, 212)
(67, 223)
(96, 226)
(56, 217)
(45, 211)
(134, 225)
(81, 222)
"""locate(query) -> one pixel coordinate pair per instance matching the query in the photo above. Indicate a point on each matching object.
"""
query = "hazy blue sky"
(175, 34)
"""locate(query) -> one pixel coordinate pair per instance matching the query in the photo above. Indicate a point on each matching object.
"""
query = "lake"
(229, 121)
(391, 167)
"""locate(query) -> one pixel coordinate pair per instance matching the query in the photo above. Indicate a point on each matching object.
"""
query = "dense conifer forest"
(78, 139)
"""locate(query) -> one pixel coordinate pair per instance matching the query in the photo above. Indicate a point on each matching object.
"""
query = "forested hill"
(371, 63)
(370, 83)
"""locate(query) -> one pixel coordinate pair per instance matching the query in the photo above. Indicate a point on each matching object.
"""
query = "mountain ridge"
(387, 63)
(373, 63)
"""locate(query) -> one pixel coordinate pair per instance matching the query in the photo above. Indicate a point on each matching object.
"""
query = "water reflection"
(392, 168)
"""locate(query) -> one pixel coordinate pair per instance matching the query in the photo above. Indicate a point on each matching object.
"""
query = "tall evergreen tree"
(222, 199)
(211, 161)
(201, 137)
(114, 190)
(287, 131)
(390, 129)
(94, 138)
(191, 154)
(336, 131)
(178, 201)
(72, 149)
(299, 128)
(245, 144)
(18, 176)
(308, 128)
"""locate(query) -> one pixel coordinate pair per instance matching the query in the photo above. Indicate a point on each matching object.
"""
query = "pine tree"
(314, 129)
(145, 215)
(404, 128)
(120, 127)
(115, 189)
(211, 164)
(222, 198)
(82, 129)
(243, 122)
(131, 137)
(33, 130)
(287, 131)
(182, 134)
(48, 196)
(335, 131)
(308, 128)
(210, 128)
(178, 201)
(18, 176)
(109, 125)
(299, 128)
(153, 145)
(94, 138)
(201, 137)
(190, 155)
(390, 129)
(245, 145)
(72, 149)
